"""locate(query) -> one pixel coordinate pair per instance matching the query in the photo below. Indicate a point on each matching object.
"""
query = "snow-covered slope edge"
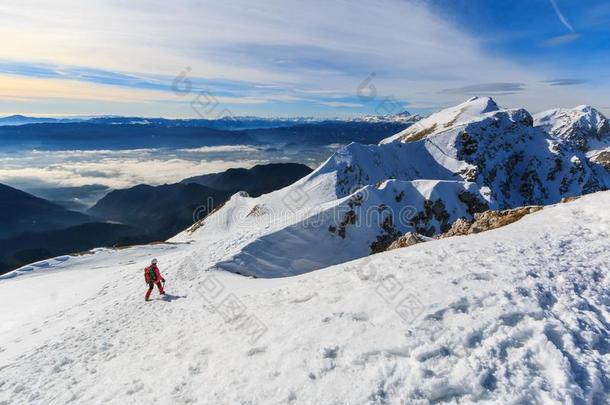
(515, 315)
(362, 223)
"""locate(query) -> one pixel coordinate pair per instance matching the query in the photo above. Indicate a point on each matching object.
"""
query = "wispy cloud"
(561, 17)
(487, 89)
(562, 39)
(340, 104)
(565, 82)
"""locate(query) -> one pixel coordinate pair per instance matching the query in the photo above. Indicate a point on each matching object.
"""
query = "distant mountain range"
(20, 132)
(227, 123)
(91, 135)
(14, 120)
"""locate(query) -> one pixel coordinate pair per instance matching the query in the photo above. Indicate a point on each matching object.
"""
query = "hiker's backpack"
(149, 274)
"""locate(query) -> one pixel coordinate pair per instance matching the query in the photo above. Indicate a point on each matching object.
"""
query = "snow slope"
(515, 315)
(373, 217)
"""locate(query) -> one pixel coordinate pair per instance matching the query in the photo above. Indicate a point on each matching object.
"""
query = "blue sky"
(299, 58)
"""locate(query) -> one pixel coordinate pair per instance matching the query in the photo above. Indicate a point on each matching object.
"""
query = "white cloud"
(119, 173)
(115, 169)
(340, 104)
(316, 45)
(221, 148)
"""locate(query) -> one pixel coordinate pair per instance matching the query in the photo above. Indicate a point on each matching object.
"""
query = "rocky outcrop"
(409, 239)
(602, 159)
(488, 220)
(385, 239)
(459, 227)
(482, 222)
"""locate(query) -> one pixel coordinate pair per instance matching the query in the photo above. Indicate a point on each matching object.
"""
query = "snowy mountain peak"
(584, 127)
(480, 105)
(586, 109)
(473, 109)
(488, 102)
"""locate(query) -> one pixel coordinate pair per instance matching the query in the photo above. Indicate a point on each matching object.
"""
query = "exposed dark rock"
(469, 174)
(432, 210)
(468, 144)
(388, 235)
(348, 219)
(473, 203)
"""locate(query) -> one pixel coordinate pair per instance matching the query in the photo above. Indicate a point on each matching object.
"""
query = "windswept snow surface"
(515, 315)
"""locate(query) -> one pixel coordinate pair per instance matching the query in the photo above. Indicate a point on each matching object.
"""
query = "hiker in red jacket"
(153, 276)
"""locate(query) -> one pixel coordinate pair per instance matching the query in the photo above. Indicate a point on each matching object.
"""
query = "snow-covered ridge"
(472, 109)
(495, 155)
(354, 226)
